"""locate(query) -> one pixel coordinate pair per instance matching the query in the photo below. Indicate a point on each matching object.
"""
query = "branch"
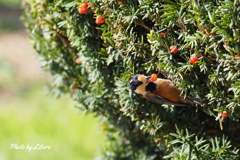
(141, 23)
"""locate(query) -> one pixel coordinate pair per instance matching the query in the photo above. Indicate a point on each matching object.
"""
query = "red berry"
(120, 3)
(85, 5)
(224, 115)
(193, 60)
(78, 61)
(82, 11)
(100, 20)
(173, 49)
(153, 77)
(163, 34)
(74, 86)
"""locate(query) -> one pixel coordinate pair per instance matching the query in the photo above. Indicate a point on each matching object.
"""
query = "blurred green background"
(30, 117)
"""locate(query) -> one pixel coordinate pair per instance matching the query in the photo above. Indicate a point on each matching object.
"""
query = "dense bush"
(94, 63)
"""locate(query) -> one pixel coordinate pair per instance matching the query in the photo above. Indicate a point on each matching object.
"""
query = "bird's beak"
(148, 78)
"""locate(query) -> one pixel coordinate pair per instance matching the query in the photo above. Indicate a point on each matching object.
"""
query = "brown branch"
(159, 139)
(141, 23)
(64, 40)
(234, 128)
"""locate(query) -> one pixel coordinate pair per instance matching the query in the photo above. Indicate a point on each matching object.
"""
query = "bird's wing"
(161, 100)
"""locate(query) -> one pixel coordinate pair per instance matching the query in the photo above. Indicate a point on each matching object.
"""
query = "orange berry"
(78, 61)
(224, 115)
(74, 86)
(85, 5)
(82, 11)
(193, 60)
(173, 49)
(163, 34)
(100, 20)
(153, 77)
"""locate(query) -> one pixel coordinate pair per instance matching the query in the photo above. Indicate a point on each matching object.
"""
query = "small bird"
(161, 91)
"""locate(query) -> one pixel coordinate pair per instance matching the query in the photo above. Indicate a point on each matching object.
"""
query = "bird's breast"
(141, 89)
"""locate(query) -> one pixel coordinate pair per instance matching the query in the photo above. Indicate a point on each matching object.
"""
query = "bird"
(162, 91)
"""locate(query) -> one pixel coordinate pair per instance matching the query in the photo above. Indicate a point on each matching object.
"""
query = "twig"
(141, 23)
(64, 40)
(234, 128)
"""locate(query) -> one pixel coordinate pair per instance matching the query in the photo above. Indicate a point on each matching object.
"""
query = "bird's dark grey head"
(136, 81)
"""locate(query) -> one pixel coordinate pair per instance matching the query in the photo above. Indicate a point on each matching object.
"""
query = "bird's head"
(139, 80)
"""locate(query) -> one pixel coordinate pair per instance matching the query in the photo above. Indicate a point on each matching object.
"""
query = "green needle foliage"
(135, 38)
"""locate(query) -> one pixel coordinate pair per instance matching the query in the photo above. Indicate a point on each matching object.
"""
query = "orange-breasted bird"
(161, 91)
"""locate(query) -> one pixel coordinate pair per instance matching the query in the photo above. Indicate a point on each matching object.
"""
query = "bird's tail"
(198, 101)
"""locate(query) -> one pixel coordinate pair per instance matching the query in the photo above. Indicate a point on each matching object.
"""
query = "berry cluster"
(83, 10)
(174, 49)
